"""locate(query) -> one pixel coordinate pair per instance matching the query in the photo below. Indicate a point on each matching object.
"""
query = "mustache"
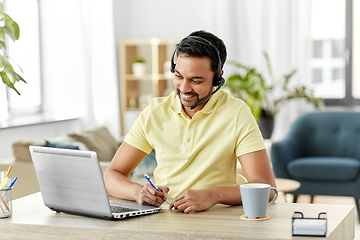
(187, 93)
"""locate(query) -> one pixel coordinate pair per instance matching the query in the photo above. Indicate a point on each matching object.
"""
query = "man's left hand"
(194, 200)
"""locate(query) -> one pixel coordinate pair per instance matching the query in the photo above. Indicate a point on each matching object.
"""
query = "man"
(197, 132)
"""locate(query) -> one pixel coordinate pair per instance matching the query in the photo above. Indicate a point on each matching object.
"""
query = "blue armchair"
(322, 152)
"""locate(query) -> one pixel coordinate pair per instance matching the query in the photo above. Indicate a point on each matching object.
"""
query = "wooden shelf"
(137, 91)
(146, 77)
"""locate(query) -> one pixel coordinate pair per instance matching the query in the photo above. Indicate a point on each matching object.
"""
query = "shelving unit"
(135, 91)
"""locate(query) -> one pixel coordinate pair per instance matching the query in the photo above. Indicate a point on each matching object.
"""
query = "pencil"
(8, 171)
(7, 207)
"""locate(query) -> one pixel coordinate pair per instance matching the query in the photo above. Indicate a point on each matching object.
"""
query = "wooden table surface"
(32, 220)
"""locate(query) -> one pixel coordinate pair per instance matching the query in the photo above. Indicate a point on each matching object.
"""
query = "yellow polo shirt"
(197, 153)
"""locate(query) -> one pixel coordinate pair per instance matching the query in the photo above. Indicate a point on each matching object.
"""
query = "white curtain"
(280, 27)
(100, 58)
(79, 62)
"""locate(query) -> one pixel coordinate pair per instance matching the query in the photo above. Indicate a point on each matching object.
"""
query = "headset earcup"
(221, 81)
(172, 64)
(217, 80)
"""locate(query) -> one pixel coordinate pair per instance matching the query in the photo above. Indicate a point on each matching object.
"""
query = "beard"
(198, 99)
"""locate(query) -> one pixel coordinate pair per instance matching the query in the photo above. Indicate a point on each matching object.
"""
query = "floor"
(327, 200)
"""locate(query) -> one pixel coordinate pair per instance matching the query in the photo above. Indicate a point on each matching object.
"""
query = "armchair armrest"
(282, 153)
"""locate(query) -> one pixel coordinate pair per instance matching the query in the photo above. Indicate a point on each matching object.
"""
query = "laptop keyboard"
(120, 209)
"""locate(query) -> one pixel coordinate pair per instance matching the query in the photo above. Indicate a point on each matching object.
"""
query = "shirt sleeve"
(137, 134)
(248, 136)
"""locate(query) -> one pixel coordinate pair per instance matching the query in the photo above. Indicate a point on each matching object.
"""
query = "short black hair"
(194, 47)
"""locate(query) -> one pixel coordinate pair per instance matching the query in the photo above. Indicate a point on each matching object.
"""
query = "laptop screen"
(71, 181)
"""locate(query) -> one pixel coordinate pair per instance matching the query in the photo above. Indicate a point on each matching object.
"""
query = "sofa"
(98, 140)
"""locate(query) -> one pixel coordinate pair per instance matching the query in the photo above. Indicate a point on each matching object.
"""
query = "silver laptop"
(71, 181)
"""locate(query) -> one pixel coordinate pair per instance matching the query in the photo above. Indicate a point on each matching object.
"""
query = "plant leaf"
(16, 64)
(287, 78)
(16, 77)
(2, 45)
(1, 9)
(11, 27)
(269, 67)
(7, 81)
(236, 64)
(3, 61)
(2, 33)
(20, 78)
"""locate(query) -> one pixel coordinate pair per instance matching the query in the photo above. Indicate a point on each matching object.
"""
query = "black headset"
(217, 77)
(218, 80)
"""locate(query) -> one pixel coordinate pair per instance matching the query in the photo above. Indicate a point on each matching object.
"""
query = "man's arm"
(117, 183)
(257, 168)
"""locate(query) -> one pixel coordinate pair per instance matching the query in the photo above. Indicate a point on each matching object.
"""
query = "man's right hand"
(148, 195)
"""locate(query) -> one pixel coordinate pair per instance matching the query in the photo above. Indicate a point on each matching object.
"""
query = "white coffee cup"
(255, 199)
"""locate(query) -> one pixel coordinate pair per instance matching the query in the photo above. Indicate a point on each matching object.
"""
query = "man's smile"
(187, 97)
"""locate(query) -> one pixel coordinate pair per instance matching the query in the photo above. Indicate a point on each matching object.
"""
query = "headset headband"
(217, 76)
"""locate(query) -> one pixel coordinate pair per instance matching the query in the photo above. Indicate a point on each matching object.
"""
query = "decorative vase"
(139, 69)
(266, 124)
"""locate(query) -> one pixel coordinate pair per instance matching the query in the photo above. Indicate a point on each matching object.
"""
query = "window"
(335, 51)
(328, 34)
(25, 53)
(356, 50)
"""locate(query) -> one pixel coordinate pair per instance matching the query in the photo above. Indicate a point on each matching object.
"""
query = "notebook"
(71, 181)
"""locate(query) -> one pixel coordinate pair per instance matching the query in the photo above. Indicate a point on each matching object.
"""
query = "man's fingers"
(152, 190)
(150, 196)
(177, 202)
(165, 190)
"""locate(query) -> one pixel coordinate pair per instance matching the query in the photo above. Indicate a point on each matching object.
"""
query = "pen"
(10, 186)
(12, 183)
(152, 184)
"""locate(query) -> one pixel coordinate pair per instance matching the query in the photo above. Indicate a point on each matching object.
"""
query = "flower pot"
(266, 124)
(139, 69)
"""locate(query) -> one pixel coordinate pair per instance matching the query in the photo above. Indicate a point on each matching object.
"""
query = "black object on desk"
(309, 227)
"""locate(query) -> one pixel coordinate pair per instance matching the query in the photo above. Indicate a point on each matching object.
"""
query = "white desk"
(32, 220)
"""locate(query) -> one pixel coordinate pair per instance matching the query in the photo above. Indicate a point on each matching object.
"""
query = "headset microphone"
(222, 81)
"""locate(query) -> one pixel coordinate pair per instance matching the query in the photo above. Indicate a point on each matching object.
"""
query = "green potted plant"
(265, 100)
(7, 73)
(139, 67)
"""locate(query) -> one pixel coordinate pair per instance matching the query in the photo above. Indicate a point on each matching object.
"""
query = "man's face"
(193, 80)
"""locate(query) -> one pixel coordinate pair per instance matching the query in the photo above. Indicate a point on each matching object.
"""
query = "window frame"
(349, 99)
(13, 113)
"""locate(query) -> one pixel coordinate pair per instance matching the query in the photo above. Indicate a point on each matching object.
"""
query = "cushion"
(98, 140)
(65, 145)
(21, 149)
(65, 139)
(330, 169)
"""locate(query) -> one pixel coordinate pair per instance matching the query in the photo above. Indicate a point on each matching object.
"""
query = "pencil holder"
(2, 176)
(5, 202)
